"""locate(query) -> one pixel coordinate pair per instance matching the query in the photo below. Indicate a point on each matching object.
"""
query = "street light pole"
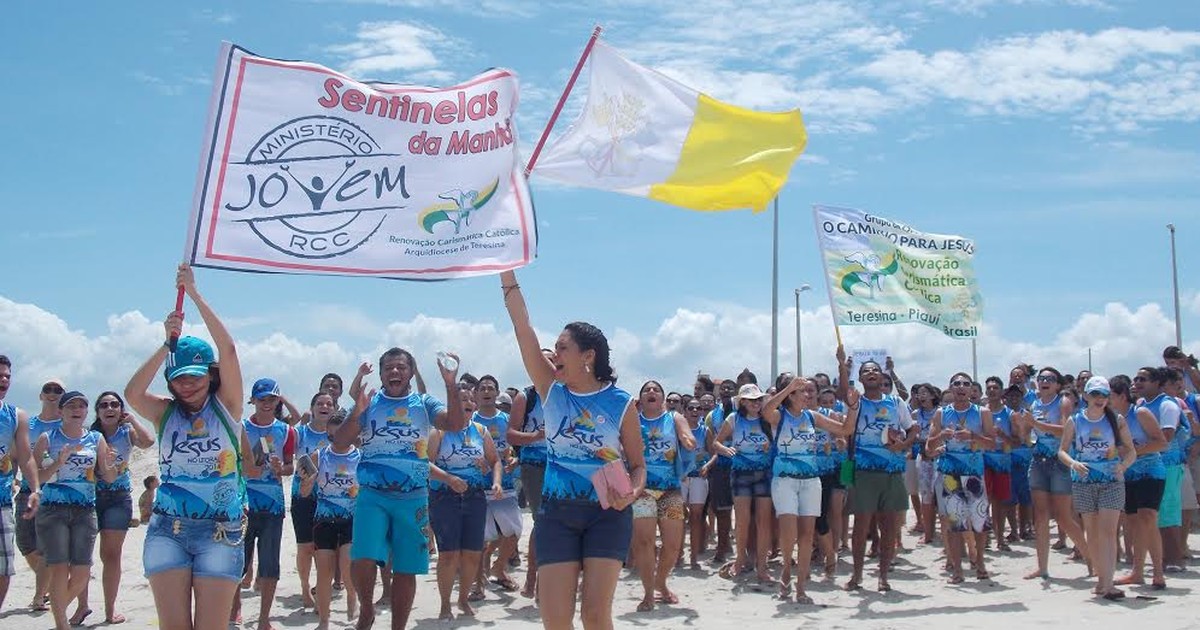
(1175, 282)
(799, 345)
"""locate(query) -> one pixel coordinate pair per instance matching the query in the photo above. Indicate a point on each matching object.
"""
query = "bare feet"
(1038, 574)
(115, 619)
(854, 584)
(646, 605)
(79, 616)
(465, 608)
(884, 586)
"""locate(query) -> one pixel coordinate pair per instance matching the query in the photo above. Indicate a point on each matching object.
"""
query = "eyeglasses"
(52, 389)
(961, 383)
(1045, 378)
(112, 404)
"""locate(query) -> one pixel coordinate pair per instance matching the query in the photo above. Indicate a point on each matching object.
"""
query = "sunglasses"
(693, 407)
(1098, 394)
(1047, 379)
(52, 389)
(112, 404)
(961, 383)
(674, 401)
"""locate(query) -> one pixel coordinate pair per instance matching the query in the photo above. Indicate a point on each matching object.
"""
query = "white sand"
(921, 599)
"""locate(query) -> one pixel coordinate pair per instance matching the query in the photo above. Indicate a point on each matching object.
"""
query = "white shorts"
(928, 482)
(1188, 490)
(796, 497)
(694, 490)
(503, 519)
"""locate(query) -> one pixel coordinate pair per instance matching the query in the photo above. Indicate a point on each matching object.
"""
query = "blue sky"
(1060, 136)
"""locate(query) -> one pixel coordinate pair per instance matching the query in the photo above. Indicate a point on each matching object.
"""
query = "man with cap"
(48, 419)
(273, 442)
(14, 451)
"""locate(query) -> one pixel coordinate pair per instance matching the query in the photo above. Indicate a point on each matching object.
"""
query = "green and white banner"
(881, 271)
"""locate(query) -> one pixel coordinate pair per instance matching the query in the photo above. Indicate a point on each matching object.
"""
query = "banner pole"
(837, 332)
(562, 100)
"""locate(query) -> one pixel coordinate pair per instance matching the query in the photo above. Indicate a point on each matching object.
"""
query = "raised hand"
(185, 279)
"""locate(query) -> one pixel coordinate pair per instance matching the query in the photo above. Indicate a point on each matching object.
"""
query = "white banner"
(305, 170)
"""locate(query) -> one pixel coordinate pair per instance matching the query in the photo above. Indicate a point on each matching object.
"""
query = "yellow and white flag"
(644, 134)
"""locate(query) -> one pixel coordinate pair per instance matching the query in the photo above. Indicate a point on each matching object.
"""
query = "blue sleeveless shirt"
(583, 433)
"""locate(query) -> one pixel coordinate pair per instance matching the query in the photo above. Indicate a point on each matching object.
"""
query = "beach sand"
(921, 599)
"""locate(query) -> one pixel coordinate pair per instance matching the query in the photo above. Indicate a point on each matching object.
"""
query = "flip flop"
(669, 598)
(77, 619)
(1114, 595)
(505, 583)
(476, 595)
(804, 599)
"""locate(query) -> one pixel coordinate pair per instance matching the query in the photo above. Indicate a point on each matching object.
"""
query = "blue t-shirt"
(1149, 465)
(533, 453)
(1095, 444)
(829, 442)
(699, 456)
(799, 451)
(200, 468)
(1046, 446)
(337, 483)
(462, 454)
(265, 494)
(121, 442)
(751, 443)
(961, 457)
(999, 459)
(922, 417)
(715, 419)
(37, 427)
(1169, 416)
(497, 427)
(394, 434)
(8, 439)
(308, 441)
(660, 446)
(583, 433)
(75, 481)
(874, 418)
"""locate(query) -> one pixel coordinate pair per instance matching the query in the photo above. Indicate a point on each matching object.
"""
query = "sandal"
(801, 598)
(955, 579)
(1059, 545)
(1114, 595)
(476, 594)
(668, 598)
(982, 575)
(505, 583)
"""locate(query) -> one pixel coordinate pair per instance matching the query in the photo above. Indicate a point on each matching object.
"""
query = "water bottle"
(447, 362)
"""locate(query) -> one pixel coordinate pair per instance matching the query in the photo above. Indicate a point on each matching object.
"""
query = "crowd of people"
(766, 475)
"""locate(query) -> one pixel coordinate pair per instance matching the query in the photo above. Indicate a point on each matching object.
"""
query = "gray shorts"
(1088, 498)
(66, 533)
(532, 477)
(26, 530)
(8, 548)
(1049, 475)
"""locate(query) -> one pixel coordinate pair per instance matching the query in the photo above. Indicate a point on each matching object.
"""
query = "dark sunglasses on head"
(51, 389)
(112, 404)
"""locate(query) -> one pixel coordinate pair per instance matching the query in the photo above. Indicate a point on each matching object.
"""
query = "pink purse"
(611, 478)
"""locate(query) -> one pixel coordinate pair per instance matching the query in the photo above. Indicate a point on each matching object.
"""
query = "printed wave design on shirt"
(174, 500)
(381, 474)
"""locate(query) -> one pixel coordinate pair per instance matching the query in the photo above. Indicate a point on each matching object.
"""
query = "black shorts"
(1143, 494)
(331, 535)
(720, 488)
(304, 510)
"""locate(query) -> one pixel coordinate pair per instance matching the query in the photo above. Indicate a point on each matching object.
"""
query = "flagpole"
(837, 332)
(775, 294)
(562, 100)
(974, 361)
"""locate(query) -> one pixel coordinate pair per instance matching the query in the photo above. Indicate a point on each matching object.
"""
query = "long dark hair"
(588, 337)
(97, 425)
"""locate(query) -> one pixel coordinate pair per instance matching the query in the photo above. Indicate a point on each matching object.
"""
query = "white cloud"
(720, 340)
(414, 50)
(494, 8)
(979, 7)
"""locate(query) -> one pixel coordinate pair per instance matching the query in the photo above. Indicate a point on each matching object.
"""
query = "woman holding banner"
(193, 552)
(594, 446)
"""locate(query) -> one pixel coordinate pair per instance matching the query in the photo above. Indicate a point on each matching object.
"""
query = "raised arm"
(231, 392)
(452, 417)
(540, 371)
(137, 391)
(348, 431)
(139, 435)
(890, 368)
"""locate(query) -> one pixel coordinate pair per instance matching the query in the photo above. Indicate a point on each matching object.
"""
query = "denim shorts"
(751, 483)
(1049, 475)
(207, 548)
(458, 519)
(1021, 494)
(66, 534)
(392, 526)
(304, 512)
(114, 509)
(570, 531)
(266, 530)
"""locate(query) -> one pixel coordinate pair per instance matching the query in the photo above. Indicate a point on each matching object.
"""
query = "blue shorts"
(570, 531)
(401, 519)
(752, 483)
(1049, 475)
(457, 519)
(196, 546)
(1170, 511)
(1019, 482)
(114, 509)
(266, 530)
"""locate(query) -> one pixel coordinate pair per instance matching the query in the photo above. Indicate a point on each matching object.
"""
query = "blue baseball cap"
(264, 387)
(69, 396)
(192, 357)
